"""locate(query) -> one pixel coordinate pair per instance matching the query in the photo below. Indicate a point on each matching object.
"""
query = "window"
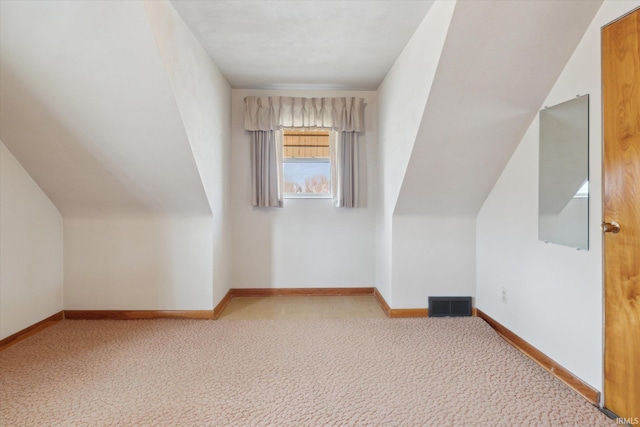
(307, 165)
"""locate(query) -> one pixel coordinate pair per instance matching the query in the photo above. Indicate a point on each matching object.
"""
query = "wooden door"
(621, 188)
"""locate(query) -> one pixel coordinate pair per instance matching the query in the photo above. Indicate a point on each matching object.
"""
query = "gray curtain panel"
(266, 168)
(344, 176)
(265, 118)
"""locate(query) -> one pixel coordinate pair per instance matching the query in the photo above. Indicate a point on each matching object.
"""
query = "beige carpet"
(388, 372)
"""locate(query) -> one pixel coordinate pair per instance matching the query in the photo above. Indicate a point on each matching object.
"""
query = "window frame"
(327, 159)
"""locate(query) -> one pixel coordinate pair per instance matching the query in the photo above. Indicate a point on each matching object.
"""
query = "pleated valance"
(276, 112)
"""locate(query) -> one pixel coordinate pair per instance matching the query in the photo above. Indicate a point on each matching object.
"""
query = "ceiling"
(88, 110)
(308, 44)
(488, 87)
(100, 130)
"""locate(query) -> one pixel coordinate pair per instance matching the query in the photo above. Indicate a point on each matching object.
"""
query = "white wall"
(554, 293)
(30, 250)
(432, 256)
(155, 261)
(203, 97)
(308, 242)
(138, 263)
(402, 98)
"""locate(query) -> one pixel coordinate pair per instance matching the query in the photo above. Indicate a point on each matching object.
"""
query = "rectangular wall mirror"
(563, 202)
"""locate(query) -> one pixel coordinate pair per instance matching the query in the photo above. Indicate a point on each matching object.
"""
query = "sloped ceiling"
(86, 105)
(318, 44)
(498, 64)
(87, 108)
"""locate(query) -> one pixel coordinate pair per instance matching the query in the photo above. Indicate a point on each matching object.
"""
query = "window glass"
(307, 166)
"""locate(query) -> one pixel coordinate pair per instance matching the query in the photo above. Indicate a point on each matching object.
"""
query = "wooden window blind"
(306, 144)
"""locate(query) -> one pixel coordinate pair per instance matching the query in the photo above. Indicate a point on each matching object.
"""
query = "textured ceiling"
(303, 44)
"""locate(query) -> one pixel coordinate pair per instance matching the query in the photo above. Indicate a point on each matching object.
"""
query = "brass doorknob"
(610, 227)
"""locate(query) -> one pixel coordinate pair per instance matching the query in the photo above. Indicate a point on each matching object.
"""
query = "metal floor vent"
(449, 306)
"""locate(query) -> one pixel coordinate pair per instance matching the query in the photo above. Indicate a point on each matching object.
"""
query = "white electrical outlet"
(504, 295)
